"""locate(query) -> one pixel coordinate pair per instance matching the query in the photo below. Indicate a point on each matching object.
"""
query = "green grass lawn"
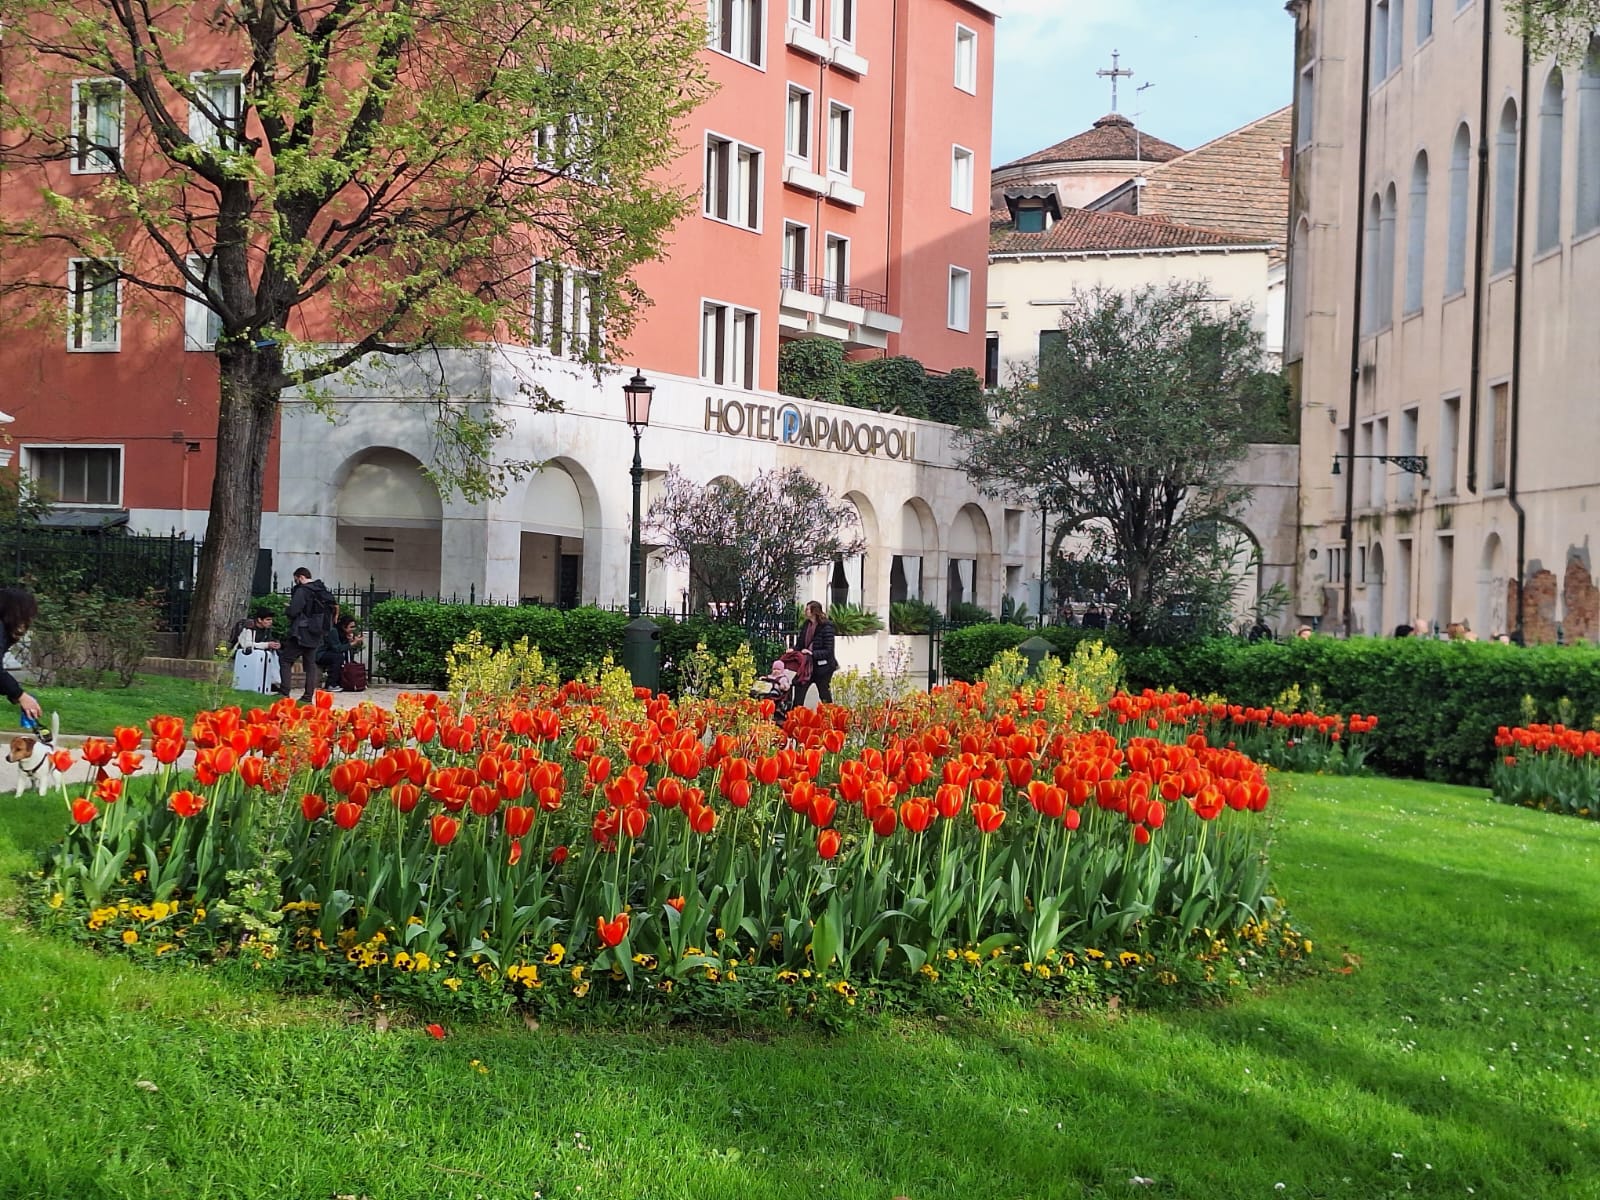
(100, 710)
(1460, 1057)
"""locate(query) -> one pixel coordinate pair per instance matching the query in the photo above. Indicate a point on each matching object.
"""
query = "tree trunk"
(245, 420)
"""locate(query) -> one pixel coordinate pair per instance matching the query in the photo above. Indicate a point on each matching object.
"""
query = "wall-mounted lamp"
(1416, 464)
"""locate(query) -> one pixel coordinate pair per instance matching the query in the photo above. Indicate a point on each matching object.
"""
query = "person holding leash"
(18, 608)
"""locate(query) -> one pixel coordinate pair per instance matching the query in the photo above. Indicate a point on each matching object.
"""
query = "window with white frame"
(1379, 49)
(96, 125)
(214, 113)
(94, 308)
(1305, 113)
(961, 170)
(842, 26)
(1504, 229)
(1455, 263)
(836, 266)
(568, 147)
(77, 474)
(728, 342)
(797, 125)
(201, 324)
(959, 310)
(566, 311)
(1416, 234)
(735, 28)
(803, 11)
(1587, 216)
(1552, 112)
(796, 255)
(967, 59)
(841, 137)
(733, 182)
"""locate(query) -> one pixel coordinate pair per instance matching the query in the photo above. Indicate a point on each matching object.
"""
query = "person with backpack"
(310, 612)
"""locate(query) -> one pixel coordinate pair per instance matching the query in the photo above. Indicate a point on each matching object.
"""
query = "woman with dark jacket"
(816, 637)
(18, 608)
(338, 646)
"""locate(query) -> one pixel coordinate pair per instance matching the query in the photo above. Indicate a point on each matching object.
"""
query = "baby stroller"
(785, 683)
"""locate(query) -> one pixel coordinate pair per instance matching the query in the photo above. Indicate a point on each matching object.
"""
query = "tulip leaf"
(915, 956)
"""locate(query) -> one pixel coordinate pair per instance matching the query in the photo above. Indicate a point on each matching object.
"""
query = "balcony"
(812, 306)
(804, 39)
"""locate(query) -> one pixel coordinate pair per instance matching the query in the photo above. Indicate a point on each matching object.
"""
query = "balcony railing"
(827, 289)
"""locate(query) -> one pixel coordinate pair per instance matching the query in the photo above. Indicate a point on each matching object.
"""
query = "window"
(94, 304)
(1406, 484)
(1416, 234)
(216, 108)
(797, 125)
(566, 311)
(1051, 341)
(728, 345)
(1444, 470)
(1370, 235)
(1424, 20)
(735, 29)
(840, 119)
(1031, 217)
(1588, 215)
(991, 360)
(77, 474)
(733, 182)
(96, 125)
(1505, 190)
(961, 162)
(201, 324)
(796, 255)
(1379, 478)
(1305, 114)
(1299, 291)
(1397, 33)
(843, 26)
(959, 310)
(1455, 267)
(836, 266)
(802, 11)
(967, 59)
(1551, 114)
(1380, 41)
(1387, 217)
(1499, 426)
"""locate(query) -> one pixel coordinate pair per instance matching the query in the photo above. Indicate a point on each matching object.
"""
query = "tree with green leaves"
(1129, 431)
(746, 546)
(338, 183)
(1563, 28)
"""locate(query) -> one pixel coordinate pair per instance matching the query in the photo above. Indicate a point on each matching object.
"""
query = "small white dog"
(34, 759)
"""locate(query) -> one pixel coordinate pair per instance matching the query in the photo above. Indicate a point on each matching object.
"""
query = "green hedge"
(417, 634)
(1438, 704)
(966, 653)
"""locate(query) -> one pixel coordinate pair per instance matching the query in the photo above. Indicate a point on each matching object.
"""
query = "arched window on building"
(1416, 233)
(1300, 291)
(1371, 318)
(1588, 215)
(1388, 218)
(1455, 264)
(1504, 245)
(1550, 147)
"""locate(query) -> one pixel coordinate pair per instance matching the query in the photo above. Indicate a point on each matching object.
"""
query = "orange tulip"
(613, 931)
(675, 902)
(441, 829)
(126, 737)
(252, 770)
(916, 815)
(84, 811)
(312, 806)
(828, 843)
(519, 821)
(186, 804)
(988, 817)
(346, 814)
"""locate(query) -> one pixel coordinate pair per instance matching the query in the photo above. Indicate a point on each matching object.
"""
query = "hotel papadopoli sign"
(792, 425)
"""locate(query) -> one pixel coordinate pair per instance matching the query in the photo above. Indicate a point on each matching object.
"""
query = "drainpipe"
(1479, 257)
(1516, 336)
(1357, 317)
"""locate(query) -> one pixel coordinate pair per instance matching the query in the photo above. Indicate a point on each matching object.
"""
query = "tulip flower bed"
(556, 851)
(1307, 742)
(1549, 767)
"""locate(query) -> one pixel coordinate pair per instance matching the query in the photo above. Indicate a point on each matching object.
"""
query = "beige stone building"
(1444, 321)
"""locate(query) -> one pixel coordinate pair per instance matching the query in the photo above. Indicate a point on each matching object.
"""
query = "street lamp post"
(636, 398)
(642, 636)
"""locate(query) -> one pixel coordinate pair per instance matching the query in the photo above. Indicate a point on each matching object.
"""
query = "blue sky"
(1215, 64)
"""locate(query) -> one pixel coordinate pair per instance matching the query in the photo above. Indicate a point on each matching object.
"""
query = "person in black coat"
(338, 647)
(18, 608)
(310, 611)
(816, 637)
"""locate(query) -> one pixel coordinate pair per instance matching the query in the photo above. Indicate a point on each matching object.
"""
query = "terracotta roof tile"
(1235, 183)
(1113, 137)
(1082, 231)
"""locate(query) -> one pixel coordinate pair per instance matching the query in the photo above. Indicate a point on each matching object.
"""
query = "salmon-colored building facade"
(842, 174)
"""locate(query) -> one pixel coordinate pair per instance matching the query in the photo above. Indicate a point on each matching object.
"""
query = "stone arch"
(1375, 578)
(1492, 588)
(388, 522)
(912, 569)
(969, 573)
(561, 522)
(1246, 563)
(852, 579)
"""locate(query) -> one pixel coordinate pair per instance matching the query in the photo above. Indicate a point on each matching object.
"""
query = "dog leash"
(38, 730)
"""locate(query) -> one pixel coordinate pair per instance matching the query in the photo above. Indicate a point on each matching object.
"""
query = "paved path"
(382, 695)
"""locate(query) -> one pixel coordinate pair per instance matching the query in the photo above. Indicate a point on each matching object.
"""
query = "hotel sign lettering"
(790, 425)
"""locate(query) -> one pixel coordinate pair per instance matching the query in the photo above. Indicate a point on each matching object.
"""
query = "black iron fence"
(831, 289)
(130, 566)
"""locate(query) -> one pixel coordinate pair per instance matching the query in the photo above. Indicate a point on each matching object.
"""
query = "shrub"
(82, 637)
(851, 620)
(966, 654)
(957, 398)
(912, 616)
(813, 369)
(419, 634)
(681, 638)
(968, 614)
(892, 385)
